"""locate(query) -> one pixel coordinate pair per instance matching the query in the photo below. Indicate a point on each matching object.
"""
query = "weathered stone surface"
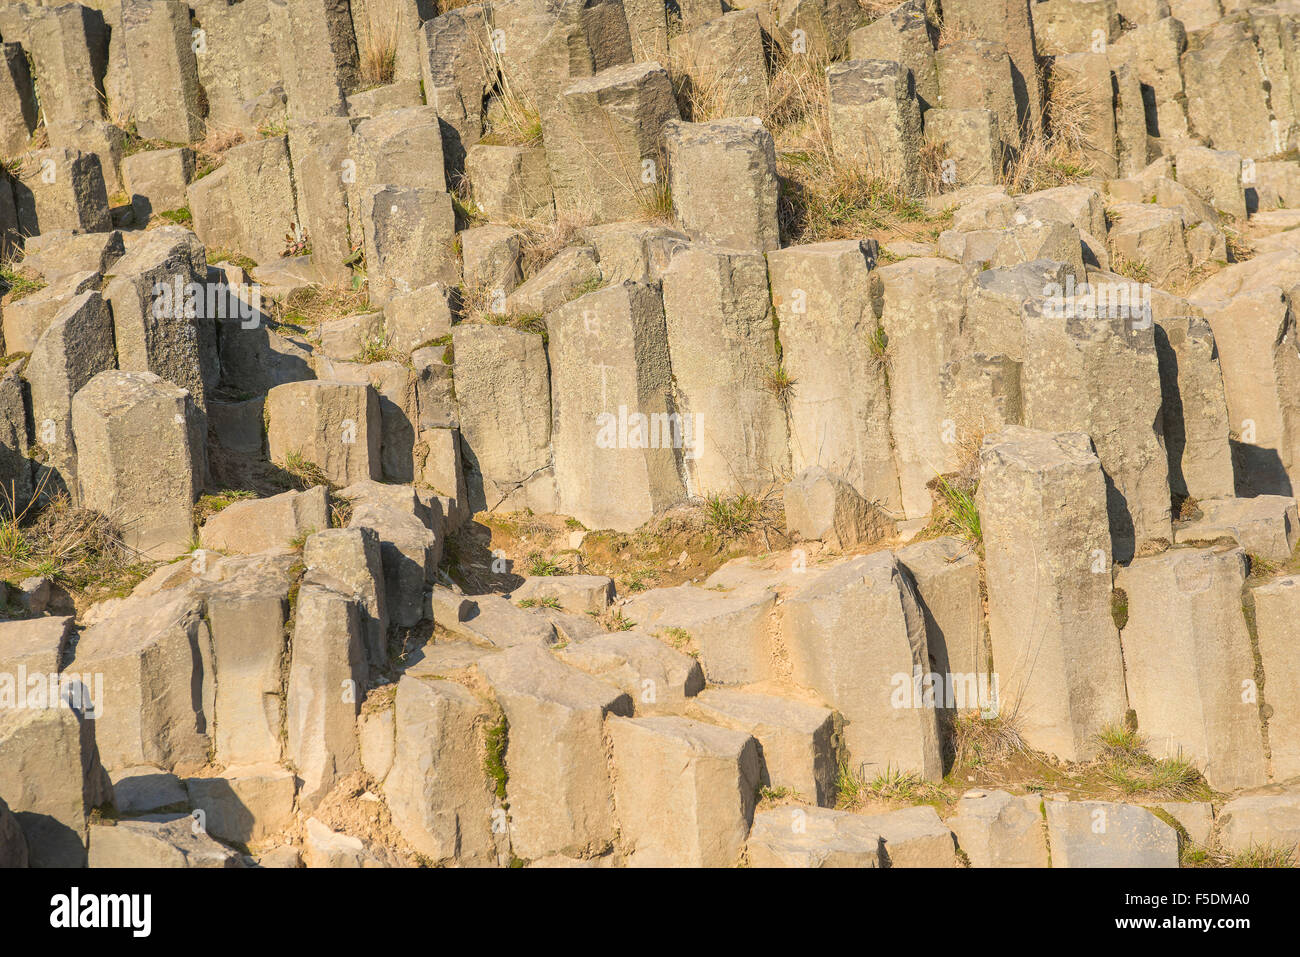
(437, 790)
(568, 275)
(1255, 333)
(140, 458)
(920, 312)
(997, 829)
(48, 771)
(1265, 525)
(905, 36)
(1277, 611)
(510, 181)
(1185, 606)
(822, 506)
(350, 560)
(724, 184)
(558, 783)
(684, 790)
(246, 803)
(729, 631)
(656, 677)
(1009, 23)
(155, 655)
(1269, 818)
(581, 593)
(504, 404)
(914, 837)
(602, 133)
(455, 55)
(1194, 412)
(158, 841)
(838, 412)
(946, 574)
(1101, 376)
(978, 74)
(614, 425)
(408, 236)
(246, 615)
(875, 120)
(1056, 653)
(798, 741)
(247, 203)
(320, 68)
(332, 425)
(77, 345)
(61, 189)
(166, 97)
(855, 634)
(725, 62)
(157, 180)
(327, 676)
(1105, 834)
(18, 115)
(161, 323)
(813, 837)
(723, 350)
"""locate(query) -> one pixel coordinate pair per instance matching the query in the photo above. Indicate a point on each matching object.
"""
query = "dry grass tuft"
(306, 308)
(80, 549)
(211, 152)
(379, 52)
(1059, 155)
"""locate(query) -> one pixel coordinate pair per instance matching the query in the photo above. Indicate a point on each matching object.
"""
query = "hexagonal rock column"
(997, 829)
(166, 102)
(605, 139)
(724, 183)
(333, 425)
(1255, 332)
(140, 458)
(438, 793)
(876, 121)
(798, 742)
(616, 436)
(1056, 652)
(1195, 412)
(684, 790)
(327, 682)
(156, 703)
(1105, 834)
(503, 397)
(1277, 624)
(813, 837)
(247, 204)
(77, 345)
(408, 234)
(558, 779)
(921, 305)
(61, 189)
(856, 635)
(1189, 662)
(1102, 376)
(719, 322)
(43, 775)
(839, 411)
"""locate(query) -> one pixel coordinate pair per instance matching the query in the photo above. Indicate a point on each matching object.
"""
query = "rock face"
(604, 433)
(1185, 607)
(140, 457)
(1042, 503)
(867, 673)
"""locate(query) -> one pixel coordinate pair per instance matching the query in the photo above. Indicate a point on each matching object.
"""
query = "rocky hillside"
(619, 433)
